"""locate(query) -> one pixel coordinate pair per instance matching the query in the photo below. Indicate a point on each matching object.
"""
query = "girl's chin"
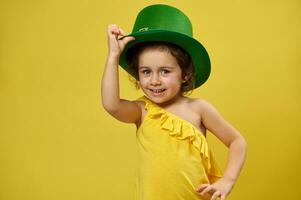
(158, 99)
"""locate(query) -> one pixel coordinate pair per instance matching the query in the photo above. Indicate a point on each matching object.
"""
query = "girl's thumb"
(128, 39)
(125, 41)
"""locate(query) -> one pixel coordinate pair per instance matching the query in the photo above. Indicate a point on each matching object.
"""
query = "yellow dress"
(173, 157)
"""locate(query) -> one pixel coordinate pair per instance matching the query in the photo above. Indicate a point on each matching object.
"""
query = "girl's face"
(160, 76)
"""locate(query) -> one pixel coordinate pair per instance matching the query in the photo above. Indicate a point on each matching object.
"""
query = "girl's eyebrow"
(140, 67)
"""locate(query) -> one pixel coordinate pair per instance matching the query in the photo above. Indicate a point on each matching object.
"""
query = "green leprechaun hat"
(165, 23)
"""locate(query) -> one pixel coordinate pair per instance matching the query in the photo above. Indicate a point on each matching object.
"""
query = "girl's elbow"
(243, 143)
(240, 141)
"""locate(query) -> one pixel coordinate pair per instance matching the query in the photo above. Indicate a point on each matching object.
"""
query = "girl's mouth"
(157, 92)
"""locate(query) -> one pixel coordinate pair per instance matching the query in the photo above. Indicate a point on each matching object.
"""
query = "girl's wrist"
(113, 56)
(230, 180)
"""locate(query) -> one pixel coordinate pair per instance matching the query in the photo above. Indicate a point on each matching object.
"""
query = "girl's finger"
(202, 187)
(215, 195)
(115, 31)
(113, 34)
(122, 32)
(112, 27)
(125, 40)
(223, 197)
(209, 188)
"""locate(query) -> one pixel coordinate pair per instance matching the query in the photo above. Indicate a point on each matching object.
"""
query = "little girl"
(175, 162)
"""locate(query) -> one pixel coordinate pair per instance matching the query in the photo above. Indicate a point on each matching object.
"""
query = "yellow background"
(58, 143)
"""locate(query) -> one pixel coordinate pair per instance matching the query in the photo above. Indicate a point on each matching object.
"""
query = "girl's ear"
(186, 77)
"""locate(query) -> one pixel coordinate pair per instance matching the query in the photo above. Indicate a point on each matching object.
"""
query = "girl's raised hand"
(220, 188)
(115, 45)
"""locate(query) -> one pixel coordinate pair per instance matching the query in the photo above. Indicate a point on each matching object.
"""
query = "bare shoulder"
(203, 107)
(199, 103)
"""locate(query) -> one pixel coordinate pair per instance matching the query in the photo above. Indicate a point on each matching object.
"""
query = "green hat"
(168, 24)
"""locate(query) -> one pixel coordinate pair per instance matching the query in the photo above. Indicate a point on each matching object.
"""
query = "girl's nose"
(155, 80)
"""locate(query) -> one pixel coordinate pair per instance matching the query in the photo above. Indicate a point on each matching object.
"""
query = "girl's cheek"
(143, 81)
(141, 78)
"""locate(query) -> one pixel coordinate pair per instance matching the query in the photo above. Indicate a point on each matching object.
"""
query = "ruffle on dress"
(184, 130)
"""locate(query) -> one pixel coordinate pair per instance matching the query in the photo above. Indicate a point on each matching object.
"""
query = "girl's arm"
(121, 109)
(236, 143)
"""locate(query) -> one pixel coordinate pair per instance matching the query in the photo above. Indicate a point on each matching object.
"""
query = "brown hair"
(182, 57)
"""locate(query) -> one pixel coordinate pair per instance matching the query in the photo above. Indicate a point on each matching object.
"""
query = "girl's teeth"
(157, 91)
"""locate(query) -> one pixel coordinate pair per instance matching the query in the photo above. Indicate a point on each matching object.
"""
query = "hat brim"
(194, 48)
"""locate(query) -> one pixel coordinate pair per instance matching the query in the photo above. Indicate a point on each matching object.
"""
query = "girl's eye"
(145, 71)
(165, 71)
